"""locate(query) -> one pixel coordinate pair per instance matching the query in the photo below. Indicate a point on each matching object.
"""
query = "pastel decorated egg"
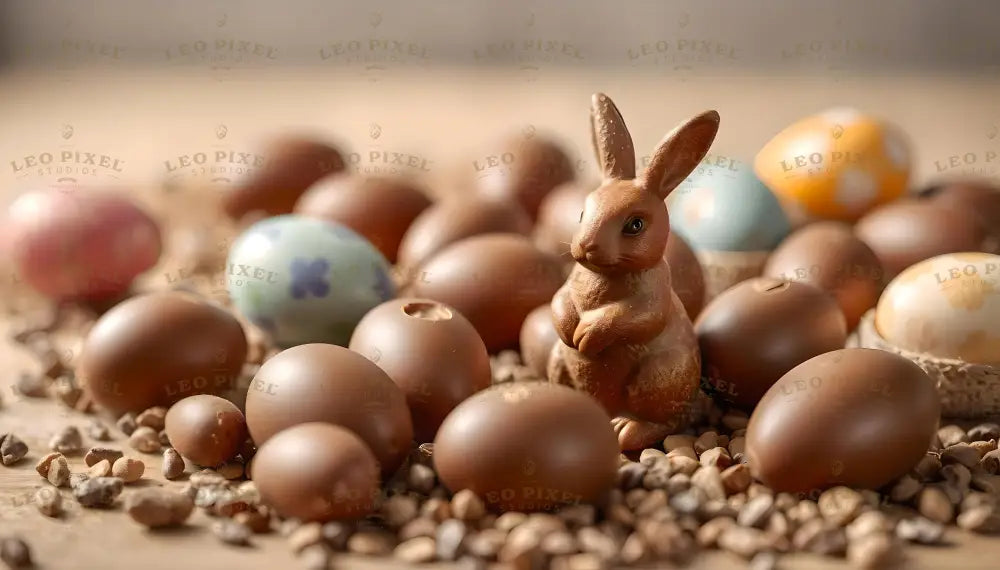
(79, 243)
(835, 165)
(304, 280)
(947, 307)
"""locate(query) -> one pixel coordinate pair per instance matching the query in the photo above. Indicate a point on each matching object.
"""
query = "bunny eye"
(633, 226)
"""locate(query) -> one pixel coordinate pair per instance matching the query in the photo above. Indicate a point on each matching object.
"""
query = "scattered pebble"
(231, 532)
(97, 431)
(416, 550)
(15, 552)
(97, 454)
(32, 385)
(99, 492)
(157, 507)
(12, 449)
(173, 464)
(127, 469)
(48, 501)
(57, 471)
(67, 441)
(152, 418)
(126, 424)
(100, 469)
(145, 440)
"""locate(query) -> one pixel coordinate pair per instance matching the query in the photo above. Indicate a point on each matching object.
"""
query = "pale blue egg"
(303, 280)
(723, 206)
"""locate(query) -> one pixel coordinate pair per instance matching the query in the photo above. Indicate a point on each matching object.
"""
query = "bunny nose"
(588, 246)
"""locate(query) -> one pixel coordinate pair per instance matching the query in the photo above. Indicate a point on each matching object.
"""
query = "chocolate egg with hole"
(856, 417)
(329, 383)
(430, 351)
(755, 332)
(514, 444)
(155, 349)
(829, 256)
(494, 280)
(206, 429)
(378, 208)
(455, 218)
(317, 472)
(909, 231)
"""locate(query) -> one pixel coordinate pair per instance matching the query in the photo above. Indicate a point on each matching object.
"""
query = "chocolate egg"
(317, 472)
(329, 383)
(286, 166)
(206, 429)
(538, 335)
(907, 231)
(495, 280)
(514, 444)
(829, 256)
(835, 165)
(946, 307)
(981, 198)
(857, 417)
(80, 243)
(430, 351)
(456, 218)
(378, 208)
(755, 332)
(686, 275)
(154, 349)
(559, 218)
(524, 171)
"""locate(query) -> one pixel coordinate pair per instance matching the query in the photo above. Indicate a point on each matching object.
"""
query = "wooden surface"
(148, 118)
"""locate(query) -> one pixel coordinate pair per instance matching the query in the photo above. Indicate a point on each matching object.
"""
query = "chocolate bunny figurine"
(626, 338)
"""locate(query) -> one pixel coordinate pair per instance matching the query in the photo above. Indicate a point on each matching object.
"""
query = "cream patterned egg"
(835, 165)
(946, 306)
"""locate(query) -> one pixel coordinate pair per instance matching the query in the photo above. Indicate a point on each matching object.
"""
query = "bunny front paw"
(592, 335)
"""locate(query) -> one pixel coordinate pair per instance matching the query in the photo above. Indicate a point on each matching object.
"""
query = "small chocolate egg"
(329, 383)
(829, 256)
(835, 165)
(495, 280)
(455, 218)
(514, 444)
(686, 275)
(857, 417)
(206, 429)
(155, 349)
(946, 307)
(524, 171)
(907, 231)
(305, 280)
(981, 198)
(80, 243)
(430, 351)
(288, 166)
(378, 208)
(317, 472)
(559, 218)
(538, 336)
(755, 332)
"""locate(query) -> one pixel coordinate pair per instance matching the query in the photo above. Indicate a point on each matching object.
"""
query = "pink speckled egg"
(80, 243)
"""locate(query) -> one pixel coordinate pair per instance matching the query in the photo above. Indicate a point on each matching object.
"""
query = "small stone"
(672, 442)
(706, 441)
(951, 434)
(58, 472)
(48, 501)
(984, 520)
(304, 536)
(371, 543)
(559, 544)
(421, 478)
(708, 534)
(742, 541)
(716, 457)
(803, 511)
(76, 479)
(421, 526)
(905, 488)
(650, 456)
(877, 550)
(737, 449)
(756, 512)
(128, 469)
(840, 505)
(631, 475)
(961, 453)
(100, 492)
(820, 536)
(735, 420)
(97, 454)
(336, 534)
(437, 509)
(12, 449)
(230, 470)
(868, 522)
(990, 463)
(685, 465)
(467, 506)
(983, 447)
(683, 452)
(920, 530)
(258, 520)
(634, 550)
(173, 464)
(316, 557)
(509, 520)
(687, 502)
(399, 510)
(145, 440)
(126, 424)
(984, 432)
(736, 478)
(231, 532)
(582, 561)
(15, 553)
(97, 431)
(763, 561)
(67, 391)
(933, 503)
(709, 480)
(153, 418)
(986, 482)
(164, 438)
(657, 476)
(157, 507)
(67, 441)
(578, 515)
(976, 499)
(416, 550)
(449, 538)
(928, 467)
(100, 469)
(32, 385)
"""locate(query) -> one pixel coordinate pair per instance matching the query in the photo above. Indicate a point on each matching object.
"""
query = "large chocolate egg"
(495, 280)
(456, 218)
(79, 243)
(755, 332)
(514, 444)
(835, 165)
(829, 256)
(317, 472)
(154, 349)
(285, 167)
(857, 417)
(981, 198)
(329, 383)
(947, 307)
(524, 170)
(206, 429)
(908, 231)
(538, 336)
(378, 208)
(559, 218)
(430, 351)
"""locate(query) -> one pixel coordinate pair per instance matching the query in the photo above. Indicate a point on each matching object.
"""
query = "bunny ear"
(679, 153)
(612, 142)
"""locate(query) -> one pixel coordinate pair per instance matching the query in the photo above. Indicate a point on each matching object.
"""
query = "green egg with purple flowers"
(303, 280)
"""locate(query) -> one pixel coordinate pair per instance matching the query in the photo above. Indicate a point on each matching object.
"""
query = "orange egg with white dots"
(835, 165)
